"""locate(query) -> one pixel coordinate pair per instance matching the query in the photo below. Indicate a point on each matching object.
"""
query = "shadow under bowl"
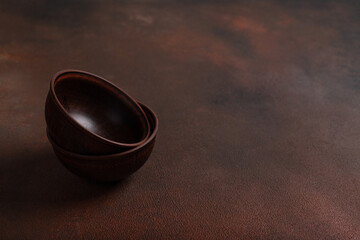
(87, 114)
(113, 167)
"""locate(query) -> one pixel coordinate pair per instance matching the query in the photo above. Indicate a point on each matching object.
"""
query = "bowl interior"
(101, 108)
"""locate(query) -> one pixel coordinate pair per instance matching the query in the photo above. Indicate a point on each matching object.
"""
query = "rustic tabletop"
(259, 110)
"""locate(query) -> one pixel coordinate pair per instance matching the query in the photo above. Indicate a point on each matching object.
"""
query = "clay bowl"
(109, 168)
(88, 115)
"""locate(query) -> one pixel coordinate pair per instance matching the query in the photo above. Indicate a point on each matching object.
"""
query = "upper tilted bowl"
(87, 114)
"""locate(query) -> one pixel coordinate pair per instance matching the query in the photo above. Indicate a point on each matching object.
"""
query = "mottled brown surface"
(259, 119)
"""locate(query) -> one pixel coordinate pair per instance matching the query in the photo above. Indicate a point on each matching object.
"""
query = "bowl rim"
(114, 155)
(79, 126)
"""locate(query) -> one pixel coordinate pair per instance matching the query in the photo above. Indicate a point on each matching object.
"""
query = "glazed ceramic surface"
(107, 168)
(88, 115)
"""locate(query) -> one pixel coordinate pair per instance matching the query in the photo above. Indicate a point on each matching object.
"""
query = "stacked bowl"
(97, 130)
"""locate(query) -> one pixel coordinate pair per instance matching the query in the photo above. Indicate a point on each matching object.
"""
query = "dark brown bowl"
(109, 168)
(88, 115)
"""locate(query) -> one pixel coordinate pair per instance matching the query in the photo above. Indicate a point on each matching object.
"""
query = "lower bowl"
(113, 167)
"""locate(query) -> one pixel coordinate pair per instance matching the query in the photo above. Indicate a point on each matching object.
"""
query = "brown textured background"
(259, 118)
